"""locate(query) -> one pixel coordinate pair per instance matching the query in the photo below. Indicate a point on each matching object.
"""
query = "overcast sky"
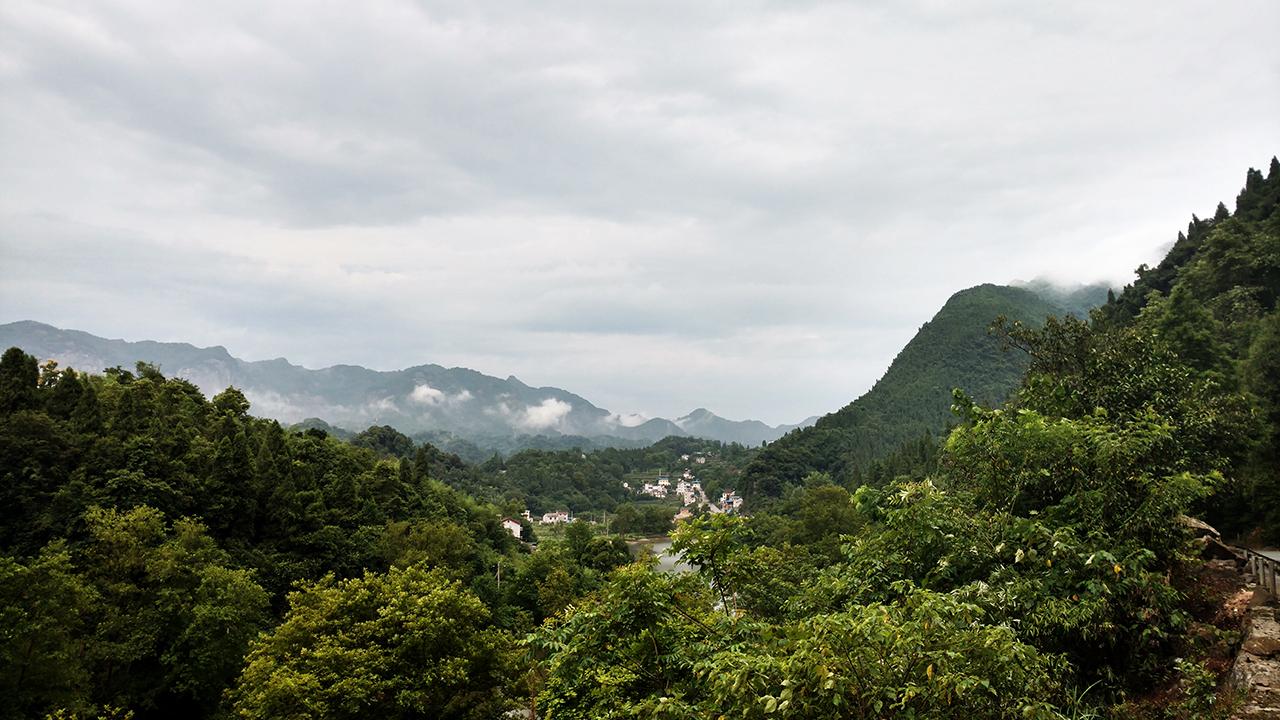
(749, 206)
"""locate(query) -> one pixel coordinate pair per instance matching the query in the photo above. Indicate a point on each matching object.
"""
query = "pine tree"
(229, 486)
(19, 375)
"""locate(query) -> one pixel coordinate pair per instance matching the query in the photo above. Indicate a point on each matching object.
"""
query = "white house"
(512, 527)
(557, 517)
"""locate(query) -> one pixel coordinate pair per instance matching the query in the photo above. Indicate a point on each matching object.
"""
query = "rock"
(1198, 528)
(1215, 549)
(1263, 647)
(1256, 671)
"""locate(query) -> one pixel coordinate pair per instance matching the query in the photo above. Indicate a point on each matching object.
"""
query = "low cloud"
(424, 394)
(381, 405)
(628, 419)
(545, 415)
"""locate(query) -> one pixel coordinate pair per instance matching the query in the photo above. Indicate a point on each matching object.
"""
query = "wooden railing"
(1266, 570)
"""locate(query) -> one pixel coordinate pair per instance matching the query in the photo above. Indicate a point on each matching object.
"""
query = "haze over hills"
(421, 399)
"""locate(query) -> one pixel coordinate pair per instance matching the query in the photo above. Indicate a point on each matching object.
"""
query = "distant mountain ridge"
(704, 423)
(420, 399)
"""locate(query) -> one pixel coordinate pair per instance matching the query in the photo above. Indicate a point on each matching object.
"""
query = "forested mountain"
(1077, 300)
(913, 398)
(453, 403)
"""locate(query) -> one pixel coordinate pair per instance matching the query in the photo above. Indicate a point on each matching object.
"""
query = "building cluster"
(690, 491)
(556, 518)
(516, 528)
(658, 489)
(730, 501)
(687, 487)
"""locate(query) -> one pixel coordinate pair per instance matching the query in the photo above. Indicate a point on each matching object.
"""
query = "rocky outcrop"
(1256, 672)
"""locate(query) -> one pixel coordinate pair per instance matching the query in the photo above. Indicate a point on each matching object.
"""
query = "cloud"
(424, 394)
(628, 419)
(749, 206)
(381, 405)
(545, 415)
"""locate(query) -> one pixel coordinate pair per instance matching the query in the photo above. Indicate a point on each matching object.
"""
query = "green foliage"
(642, 519)
(168, 602)
(629, 650)
(18, 378)
(406, 644)
(386, 441)
(42, 608)
(926, 656)
(1212, 302)
(650, 645)
(1126, 479)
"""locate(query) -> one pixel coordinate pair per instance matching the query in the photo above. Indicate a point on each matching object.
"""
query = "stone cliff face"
(1256, 672)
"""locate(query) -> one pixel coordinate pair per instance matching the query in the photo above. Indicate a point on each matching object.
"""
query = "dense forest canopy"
(164, 554)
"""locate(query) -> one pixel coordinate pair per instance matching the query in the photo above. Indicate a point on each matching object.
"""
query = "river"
(659, 546)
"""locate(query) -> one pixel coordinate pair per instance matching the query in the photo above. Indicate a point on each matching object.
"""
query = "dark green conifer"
(19, 375)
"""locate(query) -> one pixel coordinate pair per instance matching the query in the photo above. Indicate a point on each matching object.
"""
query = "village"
(687, 487)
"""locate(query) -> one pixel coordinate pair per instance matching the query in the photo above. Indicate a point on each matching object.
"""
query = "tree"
(408, 644)
(1188, 329)
(43, 605)
(1261, 370)
(19, 375)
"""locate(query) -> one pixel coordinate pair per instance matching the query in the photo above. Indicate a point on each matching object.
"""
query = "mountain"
(466, 404)
(1076, 299)
(706, 424)
(913, 398)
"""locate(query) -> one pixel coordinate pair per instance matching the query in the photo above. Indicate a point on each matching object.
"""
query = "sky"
(748, 206)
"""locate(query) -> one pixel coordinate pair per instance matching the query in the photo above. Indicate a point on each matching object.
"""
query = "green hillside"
(1213, 302)
(914, 396)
